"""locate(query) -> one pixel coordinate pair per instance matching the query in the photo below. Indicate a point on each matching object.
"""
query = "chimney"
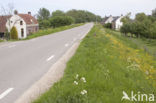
(29, 13)
(15, 12)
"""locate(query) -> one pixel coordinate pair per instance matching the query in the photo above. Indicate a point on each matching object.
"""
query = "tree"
(140, 17)
(7, 11)
(43, 14)
(126, 18)
(82, 16)
(58, 13)
(61, 21)
(14, 33)
(44, 24)
(154, 13)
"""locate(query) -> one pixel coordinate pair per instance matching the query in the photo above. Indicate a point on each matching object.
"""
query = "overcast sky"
(99, 7)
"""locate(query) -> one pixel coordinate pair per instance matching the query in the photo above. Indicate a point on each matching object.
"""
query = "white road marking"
(51, 57)
(5, 93)
(74, 39)
(66, 45)
(11, 46)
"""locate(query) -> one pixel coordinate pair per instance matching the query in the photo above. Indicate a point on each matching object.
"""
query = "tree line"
(142, 26)
(60, 18)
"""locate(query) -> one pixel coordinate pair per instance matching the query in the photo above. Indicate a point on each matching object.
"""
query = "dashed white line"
(51, 57)
(5, 93)
(66, 45)
(74, 39)
(11, 46)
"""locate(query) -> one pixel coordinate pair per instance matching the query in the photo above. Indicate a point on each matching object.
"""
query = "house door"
(22, 32)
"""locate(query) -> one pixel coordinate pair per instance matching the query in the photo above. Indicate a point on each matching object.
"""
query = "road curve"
(22, 63)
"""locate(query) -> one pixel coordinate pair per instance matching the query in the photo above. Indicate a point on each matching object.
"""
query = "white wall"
(15, 21)
(109, 20)
(118, 23)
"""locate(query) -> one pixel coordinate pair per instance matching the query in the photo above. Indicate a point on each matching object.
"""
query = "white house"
(24, 23)
(117, 23)
(108, 19)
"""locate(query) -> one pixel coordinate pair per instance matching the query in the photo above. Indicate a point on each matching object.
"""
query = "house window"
(21, 22)
(22, 32)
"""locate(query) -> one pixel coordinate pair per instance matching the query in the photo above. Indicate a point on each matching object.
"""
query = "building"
(107, 20)
(24, 23)
(117, 23)
(114, 20)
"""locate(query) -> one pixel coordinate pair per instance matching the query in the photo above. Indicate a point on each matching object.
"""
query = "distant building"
(115, 21)
(107, 20)
(24, 23)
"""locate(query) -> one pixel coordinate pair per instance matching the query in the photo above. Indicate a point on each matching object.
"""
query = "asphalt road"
(22, 63)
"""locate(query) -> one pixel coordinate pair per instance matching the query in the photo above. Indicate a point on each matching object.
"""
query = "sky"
(99, 7)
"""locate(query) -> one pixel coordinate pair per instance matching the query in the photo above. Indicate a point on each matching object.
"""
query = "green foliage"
(14, 33)
(141, 26)
(154, 13)
(44, 24)
(82, 16)
(61, 21)
(58, 13)
(43, 14)
(108, 25)
(65, 18)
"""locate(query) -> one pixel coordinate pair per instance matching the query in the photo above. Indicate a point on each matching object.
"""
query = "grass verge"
(52, 30)
(103, 67)
(148, 45)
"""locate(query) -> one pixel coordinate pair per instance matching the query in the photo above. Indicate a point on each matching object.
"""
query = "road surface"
(22, 63)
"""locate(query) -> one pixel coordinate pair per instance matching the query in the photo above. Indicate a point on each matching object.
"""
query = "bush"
(61, 21)
(108, 25)
(14, 33)
(44, 24)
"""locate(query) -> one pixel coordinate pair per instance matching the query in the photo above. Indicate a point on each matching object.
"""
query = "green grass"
(148, 45)
(110, 64)
(1, 40)
(52, 30)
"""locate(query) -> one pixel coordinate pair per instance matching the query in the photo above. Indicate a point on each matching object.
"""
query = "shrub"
(108, 25)
(44, 24)
(61, 21)
(14, 33)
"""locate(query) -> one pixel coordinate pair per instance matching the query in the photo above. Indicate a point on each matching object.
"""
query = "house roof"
(115, 18)
(28, 19)
(3, 20)
(105, 19)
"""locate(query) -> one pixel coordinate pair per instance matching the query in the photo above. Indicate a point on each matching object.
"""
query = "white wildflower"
(152, 67)
(147, 73)
(77, 76)
(76, 83)
(129, 60)
(83, 92)
(83, 79)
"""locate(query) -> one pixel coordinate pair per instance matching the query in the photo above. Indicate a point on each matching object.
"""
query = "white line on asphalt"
(51, 57)
(5, 93)
(66, 45)
(74, 39)
(11, 46)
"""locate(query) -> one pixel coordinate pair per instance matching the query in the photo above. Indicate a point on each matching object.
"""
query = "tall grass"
(110, 65)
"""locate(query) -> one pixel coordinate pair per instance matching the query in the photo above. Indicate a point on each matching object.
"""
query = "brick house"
(24, 23)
